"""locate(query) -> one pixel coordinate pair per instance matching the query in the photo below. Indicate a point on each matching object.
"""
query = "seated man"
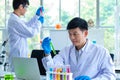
(87, 61)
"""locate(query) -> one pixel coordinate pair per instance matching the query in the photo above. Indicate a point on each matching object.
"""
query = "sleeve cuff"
(48, 58)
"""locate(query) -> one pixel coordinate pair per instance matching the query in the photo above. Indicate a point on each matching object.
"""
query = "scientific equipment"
(3, 56)
(58, 26)
(8, 77)
(59, 73)
(53, 48)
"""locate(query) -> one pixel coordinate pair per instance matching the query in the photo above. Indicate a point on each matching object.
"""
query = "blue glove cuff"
(41, 19)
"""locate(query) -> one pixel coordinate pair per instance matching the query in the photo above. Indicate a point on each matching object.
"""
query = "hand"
(46, 45)
(41, 19)
(40, 11)
(82, 78)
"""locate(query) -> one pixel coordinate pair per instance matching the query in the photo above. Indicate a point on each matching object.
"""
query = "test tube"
(53, 48)
(54, 74)
(51, 75)
(64, 71)
(68, 71)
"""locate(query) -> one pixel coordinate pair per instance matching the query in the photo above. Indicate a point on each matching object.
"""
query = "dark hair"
(77, 22)
(17, 3)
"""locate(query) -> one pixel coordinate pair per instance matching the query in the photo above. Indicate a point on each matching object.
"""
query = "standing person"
(19, 30)
(87, 61)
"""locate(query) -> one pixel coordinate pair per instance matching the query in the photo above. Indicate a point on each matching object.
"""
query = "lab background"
(104, 28)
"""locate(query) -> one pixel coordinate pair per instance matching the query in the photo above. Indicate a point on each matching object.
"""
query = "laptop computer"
(26, 68)
(39, 54)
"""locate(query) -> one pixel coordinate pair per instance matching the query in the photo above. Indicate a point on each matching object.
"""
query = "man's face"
(23, 9)
(77, 36)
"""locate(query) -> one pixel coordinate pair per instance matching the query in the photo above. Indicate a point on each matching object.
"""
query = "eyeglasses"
(25, 6)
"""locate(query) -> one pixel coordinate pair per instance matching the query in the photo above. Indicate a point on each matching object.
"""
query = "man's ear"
(21, 6)
(86, 33)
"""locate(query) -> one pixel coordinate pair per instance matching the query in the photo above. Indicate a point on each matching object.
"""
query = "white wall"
(61, 39)
(96, 34)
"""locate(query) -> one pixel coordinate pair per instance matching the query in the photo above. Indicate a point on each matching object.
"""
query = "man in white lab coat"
(19, 30)
(87, 61)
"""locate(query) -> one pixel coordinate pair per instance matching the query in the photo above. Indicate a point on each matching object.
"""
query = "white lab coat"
(95, 62)
(18, 32)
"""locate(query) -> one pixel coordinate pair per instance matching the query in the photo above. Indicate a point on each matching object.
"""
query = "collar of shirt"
(79, 52)
(14, 16)
(83, 48)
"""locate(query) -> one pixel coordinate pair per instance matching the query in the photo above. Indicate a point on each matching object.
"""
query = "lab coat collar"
(14, 16)
(73, 54)
(85, 51)
(87, 46)
(83, 48)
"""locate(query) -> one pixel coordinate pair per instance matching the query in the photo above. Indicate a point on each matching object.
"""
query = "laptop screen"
(26, 68)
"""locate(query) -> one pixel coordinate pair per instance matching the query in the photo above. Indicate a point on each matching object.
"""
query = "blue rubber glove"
(82, 78)
(39, 11)
(41, 19)
(46, 45)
